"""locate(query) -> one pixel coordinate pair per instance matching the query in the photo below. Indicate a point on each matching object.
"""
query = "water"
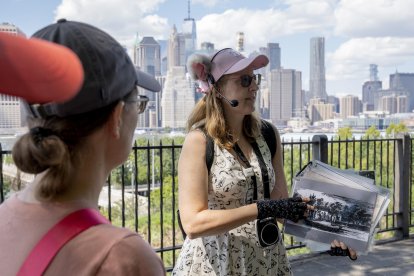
(7, 141)
(304, 136)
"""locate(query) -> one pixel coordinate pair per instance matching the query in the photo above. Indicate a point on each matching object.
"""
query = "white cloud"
(208, 3)
(310, 8)
(358, 18)
(263, 26)
(120, 18)
(351, 60)
(377, 31)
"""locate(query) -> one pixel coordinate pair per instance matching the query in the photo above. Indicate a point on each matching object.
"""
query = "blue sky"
(357, 32)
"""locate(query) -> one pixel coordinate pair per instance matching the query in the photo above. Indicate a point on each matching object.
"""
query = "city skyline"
(317, 78)
(357, 33)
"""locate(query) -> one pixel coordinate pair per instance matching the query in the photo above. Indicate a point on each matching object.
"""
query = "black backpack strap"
(270, 137)
(209, 152)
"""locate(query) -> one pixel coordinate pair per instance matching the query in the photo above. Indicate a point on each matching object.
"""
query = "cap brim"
(254, 62)
(147, 81)
(38, 71)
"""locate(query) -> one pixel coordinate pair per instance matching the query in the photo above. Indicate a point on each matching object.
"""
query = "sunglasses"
(246, 80)
(141, 102)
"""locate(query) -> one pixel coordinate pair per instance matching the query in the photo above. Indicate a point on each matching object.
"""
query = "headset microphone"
(210, 80)
(233, 103)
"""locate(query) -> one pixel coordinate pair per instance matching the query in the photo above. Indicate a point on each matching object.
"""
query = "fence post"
(402, 184)
(320, 148)
(1, 176)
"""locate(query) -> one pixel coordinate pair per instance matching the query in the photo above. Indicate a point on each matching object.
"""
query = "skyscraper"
(135, 51)
(317, 81)
(318, 110)
(164, 53)
(190, 32)
(369, 88)
(373, 72)
(149, 56)
(176, 49)
(404, 81)
(149, 60)
(182, 44)
(177, 98)
(402, 104)
(349, 106)
(10, 113)
(273, 53)
(285, 90)
(388, 104)
(240, 42)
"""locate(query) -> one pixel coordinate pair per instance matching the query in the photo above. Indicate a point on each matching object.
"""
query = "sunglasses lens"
(142, 102)
(246, 80)
(142, 106)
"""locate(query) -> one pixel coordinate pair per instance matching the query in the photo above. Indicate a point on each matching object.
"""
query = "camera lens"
(270, 234)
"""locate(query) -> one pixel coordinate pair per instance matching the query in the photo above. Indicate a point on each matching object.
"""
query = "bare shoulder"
(195, 142)
(192, 158)
(196, 137)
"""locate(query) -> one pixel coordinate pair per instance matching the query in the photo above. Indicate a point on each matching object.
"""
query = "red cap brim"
(38, 71)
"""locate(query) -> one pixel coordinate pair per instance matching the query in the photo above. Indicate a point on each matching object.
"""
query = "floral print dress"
(236, 252)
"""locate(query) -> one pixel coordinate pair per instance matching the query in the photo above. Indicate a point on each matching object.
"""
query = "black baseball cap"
(109, 74)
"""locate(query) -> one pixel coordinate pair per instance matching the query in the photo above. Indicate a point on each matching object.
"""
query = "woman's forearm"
(213, 222)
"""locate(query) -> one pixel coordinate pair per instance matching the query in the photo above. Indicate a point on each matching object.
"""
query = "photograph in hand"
(340, 213)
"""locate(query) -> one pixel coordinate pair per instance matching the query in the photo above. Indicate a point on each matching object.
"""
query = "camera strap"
(266, 229)
(265, 174)
(263, 168)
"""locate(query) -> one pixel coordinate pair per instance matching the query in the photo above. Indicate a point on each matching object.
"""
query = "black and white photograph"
(340, 213)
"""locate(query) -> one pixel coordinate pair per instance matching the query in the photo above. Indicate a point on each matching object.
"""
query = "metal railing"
(142, 193)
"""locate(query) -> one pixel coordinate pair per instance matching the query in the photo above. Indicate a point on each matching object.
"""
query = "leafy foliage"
(344, 133)
(395, 129)
(372, 133)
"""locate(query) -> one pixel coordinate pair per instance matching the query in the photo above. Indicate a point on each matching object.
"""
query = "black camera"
(267, 231)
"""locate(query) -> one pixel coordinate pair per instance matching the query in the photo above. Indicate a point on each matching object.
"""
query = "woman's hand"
(294, 208)
(339, 248)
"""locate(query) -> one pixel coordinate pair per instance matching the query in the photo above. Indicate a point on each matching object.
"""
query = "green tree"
(344, 133)
(339, 146)
(394, 129)
(372, 133)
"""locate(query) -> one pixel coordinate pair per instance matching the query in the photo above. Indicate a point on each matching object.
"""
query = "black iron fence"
(142, 193)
